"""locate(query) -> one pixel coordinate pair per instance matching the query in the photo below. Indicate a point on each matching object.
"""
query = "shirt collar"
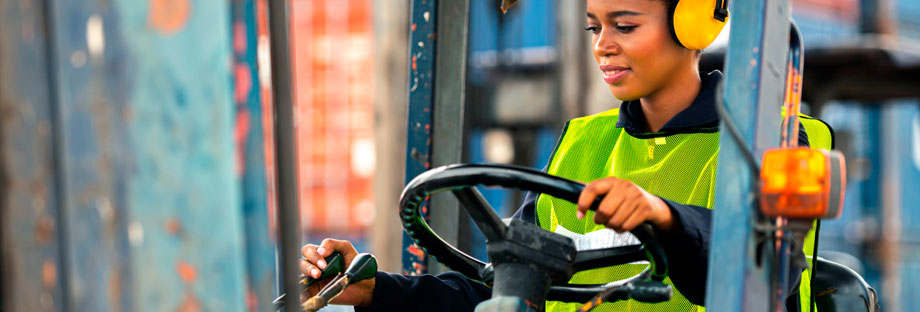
(701, 113)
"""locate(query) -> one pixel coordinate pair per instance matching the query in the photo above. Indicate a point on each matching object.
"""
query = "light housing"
(802, 183)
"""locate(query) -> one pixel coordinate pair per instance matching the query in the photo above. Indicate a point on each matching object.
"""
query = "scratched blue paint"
(30, 223)
(421, 108)
(91, 100)
(181, 136)
(260, 249)
(731, 256)
(148, 159)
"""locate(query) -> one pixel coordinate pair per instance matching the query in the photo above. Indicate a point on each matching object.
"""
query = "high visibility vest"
(680, 167)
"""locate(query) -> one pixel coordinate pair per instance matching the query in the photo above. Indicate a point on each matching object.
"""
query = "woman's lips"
(614, 74)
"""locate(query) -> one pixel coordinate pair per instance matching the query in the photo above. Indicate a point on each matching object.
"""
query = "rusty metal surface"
(422, 40)
(133, 100)
(30, 272)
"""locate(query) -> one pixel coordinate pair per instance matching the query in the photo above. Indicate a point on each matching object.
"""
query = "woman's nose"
(605, 45)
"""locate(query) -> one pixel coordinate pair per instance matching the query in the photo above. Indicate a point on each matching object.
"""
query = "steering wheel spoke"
(481, 212)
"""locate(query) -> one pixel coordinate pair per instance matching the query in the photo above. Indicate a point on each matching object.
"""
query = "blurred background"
(137, 146)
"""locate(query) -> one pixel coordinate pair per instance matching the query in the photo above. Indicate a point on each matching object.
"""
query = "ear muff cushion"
(694, 24)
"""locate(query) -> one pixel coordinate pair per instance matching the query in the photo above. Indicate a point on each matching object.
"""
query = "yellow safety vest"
(680, 167)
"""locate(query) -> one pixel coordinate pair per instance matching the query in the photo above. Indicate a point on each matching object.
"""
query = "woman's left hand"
(625, 205)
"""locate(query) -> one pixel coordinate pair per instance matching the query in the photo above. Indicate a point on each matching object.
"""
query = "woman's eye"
(592, 29)
(626, 29)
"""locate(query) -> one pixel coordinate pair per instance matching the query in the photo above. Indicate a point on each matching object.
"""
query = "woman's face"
(633, 46)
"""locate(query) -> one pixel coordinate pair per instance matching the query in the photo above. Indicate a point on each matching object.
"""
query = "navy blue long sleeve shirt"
(687, 243)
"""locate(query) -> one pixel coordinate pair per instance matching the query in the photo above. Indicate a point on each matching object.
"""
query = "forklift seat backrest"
(838, 288)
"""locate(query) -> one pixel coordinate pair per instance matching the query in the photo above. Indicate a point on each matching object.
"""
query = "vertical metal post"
(437, 45)
(285, 154)
(390, 75)
(260, 257)
(449, 101)
(875, 18)
(31, 179)
(755, 68)
(891, 176)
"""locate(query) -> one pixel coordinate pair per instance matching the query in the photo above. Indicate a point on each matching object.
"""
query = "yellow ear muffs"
(694, 23)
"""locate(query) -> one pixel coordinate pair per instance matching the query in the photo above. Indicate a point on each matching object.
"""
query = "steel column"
(437, 45)
(285, 151)
(755, 69)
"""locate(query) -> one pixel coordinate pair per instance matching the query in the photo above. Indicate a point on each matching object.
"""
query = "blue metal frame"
(753, 93)
(250, 143)
(130, 161)
(29, 179)
(422, 37)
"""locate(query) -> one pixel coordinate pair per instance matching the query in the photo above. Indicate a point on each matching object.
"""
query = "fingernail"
(321, 250)
(322, 264)
(314, 273)
(580, 215)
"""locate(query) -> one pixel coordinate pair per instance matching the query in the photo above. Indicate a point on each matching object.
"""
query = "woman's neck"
(678, 94)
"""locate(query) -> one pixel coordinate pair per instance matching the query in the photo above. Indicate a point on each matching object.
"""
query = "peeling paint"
(49, 274)
(44, 229)
(186, 271)
(190, 303)
(173, 226)
(169, 16)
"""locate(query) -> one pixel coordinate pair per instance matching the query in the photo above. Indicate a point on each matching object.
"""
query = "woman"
(654, 158)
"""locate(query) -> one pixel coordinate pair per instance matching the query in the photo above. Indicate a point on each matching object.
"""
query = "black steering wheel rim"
(463, 177)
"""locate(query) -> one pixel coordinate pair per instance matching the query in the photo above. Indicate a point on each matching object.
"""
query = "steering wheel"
(527, 261)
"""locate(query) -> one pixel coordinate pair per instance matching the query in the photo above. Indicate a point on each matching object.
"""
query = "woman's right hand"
(358, 294)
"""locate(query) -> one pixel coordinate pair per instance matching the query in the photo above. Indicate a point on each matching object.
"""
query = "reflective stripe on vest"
(680, 167)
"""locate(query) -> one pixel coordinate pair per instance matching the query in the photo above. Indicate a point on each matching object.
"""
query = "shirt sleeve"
(449, 292)
(687, 247)
(528, 210)
(803, 135)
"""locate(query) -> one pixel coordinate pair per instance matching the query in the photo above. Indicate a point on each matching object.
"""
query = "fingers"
(624, 205)
(623, 212)
(609, 207)
(633, 221)
(591, 192)
(344, 247)
(309, 269)
(311, 254)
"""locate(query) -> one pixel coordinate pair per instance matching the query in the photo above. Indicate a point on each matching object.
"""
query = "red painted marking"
(243, 76)
(416, 251)
(419, 268)
(173, 226)
(414, 63)
(239, 37)
(169, 16)
(241, 133)
(49, 274)
(412, 27)
(186, 271)
(252, 301)
(189, 304)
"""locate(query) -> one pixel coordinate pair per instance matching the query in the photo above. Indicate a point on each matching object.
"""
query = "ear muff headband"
(697, 23)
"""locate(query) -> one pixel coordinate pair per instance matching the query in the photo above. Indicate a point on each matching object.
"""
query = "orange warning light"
(802, 183)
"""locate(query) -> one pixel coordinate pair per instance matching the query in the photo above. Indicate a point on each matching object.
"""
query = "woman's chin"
(624, 94)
